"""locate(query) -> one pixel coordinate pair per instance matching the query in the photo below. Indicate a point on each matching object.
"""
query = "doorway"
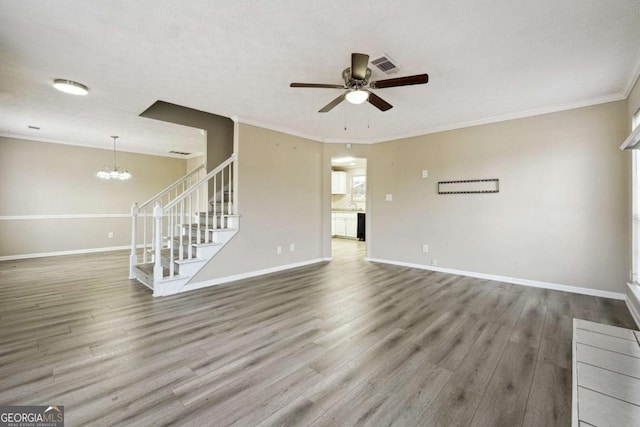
(348, 207)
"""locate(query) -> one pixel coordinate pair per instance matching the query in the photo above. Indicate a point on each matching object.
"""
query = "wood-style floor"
(334, 344)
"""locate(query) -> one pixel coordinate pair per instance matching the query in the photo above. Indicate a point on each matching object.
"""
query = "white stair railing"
(188, 220)
(142, 224)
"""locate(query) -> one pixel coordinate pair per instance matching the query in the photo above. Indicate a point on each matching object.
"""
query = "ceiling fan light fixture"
(71, 87)
(357, 96)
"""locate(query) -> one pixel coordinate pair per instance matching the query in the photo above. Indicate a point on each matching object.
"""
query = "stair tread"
(147, 269)
(194, 242)
(202, 228)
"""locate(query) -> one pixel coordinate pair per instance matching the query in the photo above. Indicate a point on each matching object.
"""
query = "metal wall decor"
(470, 186)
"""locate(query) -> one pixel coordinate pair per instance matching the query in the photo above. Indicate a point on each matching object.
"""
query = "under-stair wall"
(281, 190)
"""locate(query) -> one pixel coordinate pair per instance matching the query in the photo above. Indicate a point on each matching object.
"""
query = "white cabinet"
(344, 224)
(341, 226)
(338, 182)
(333, 223)
(352, 226)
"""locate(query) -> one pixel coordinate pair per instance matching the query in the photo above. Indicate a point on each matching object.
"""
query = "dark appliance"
(361, 226)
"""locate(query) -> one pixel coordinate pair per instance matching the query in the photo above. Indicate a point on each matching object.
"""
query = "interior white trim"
(62, 216)
(250, 274)
(276, 128)
(633, 302)
(76, 144)
(506, 279)
(283, 129)
(60, 253)
(632, 140)
(484, 121)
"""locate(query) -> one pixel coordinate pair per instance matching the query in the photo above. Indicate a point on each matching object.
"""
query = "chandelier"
(114, 172)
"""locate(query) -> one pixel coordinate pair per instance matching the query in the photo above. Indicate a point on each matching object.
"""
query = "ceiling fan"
(358, 87)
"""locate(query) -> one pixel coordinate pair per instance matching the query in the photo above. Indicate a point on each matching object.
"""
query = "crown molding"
(461, 125)
(484, 121)
(275, 128)
(78, 144)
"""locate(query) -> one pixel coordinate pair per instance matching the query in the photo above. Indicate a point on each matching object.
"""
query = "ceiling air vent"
(386, 64)
(182, 153)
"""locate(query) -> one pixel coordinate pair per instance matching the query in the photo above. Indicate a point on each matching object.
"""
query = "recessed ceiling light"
(69, 86)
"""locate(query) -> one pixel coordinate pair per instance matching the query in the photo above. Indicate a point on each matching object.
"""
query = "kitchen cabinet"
(344, 224)
(338, 182)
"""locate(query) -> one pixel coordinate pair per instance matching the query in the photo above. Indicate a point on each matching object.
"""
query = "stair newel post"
(133, 258)
(157, 268)
(235, 184)
(190, 247)
(230, 187)
(215, 202)
(199, 217)
(171, 222)
(222, 216)
(206, 212)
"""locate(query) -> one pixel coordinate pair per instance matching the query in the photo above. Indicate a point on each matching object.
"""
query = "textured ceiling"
(487, 60)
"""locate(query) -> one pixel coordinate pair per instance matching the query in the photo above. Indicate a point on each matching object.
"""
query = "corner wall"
(560, 216)
(279, 183)
(51, 200)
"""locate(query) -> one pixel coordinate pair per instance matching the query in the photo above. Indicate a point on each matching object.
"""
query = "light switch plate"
(388, 197)
(425, 173)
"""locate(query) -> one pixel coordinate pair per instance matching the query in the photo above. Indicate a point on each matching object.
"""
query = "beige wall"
(53, 179)
(560, 215)
(194, 162)
(280, 181)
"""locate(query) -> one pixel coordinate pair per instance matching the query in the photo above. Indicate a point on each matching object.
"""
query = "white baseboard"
(633, 302)
(60, 253)
(506, 279)
(250, 274)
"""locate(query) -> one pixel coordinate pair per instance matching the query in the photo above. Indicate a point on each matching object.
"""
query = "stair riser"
(216, 235)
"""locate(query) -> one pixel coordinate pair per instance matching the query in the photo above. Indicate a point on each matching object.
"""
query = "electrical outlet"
(110, 235)
(292, 247)
(279, 250)
(434, 262)
(425, 249)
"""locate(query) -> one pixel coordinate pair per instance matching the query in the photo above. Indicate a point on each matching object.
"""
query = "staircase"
(175, 233)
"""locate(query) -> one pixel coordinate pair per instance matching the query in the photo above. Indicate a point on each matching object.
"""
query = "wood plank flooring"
(333, 344)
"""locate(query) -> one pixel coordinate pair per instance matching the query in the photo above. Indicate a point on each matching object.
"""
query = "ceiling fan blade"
(418, 79)
(320, 85)
(332, 104)
(378, 102)
(359, 62)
